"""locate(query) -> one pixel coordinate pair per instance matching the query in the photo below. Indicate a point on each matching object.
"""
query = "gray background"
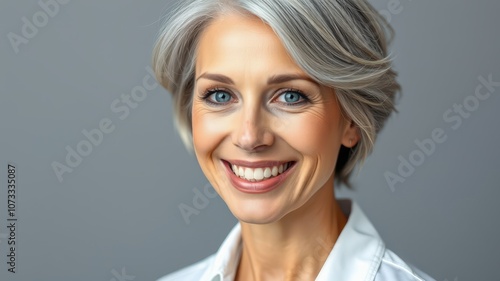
(118, 211)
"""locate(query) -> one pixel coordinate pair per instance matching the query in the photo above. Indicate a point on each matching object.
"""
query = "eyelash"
(208, 93)
(305, 98)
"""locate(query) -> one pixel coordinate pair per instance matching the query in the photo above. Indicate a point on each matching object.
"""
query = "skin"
(287, 232)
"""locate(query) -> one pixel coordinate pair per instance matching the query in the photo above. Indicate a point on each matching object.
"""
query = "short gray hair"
(341, 44)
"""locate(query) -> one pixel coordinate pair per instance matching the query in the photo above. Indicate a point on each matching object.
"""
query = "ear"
(351, 135)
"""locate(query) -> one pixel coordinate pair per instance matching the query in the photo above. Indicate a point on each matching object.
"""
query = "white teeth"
(267, 173)
(259, 174)
(274, 172)
(249, 174)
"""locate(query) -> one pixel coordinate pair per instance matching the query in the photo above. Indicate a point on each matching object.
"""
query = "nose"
(252, 132)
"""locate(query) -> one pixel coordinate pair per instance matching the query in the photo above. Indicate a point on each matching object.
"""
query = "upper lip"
(256, 164)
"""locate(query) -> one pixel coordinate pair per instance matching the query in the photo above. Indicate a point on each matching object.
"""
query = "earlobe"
(351, 135)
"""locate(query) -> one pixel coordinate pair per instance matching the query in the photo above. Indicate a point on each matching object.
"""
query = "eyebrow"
(275, 79)
(216, 77)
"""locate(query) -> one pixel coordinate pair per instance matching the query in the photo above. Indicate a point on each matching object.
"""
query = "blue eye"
(221, 97)
(292, 97)
(217, 97)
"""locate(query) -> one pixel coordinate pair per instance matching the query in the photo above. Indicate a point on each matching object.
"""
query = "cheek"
(313, 133)
(203, 133)
(207, 131)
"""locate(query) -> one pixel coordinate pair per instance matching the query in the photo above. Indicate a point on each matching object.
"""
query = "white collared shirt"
(359, 254)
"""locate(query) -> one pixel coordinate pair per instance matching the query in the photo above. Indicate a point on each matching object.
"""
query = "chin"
(257, 211)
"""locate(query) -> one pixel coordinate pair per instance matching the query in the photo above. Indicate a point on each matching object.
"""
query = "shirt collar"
(227, 258)
(356, 255)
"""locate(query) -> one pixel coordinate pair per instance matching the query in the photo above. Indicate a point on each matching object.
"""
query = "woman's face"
(265, 134)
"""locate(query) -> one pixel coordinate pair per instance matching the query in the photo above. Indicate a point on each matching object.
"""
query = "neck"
(296, 246)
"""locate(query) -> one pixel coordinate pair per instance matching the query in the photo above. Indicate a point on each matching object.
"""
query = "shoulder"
(392, 267)
(192, 272)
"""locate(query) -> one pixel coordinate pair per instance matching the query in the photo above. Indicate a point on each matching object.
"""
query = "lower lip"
(256, 187)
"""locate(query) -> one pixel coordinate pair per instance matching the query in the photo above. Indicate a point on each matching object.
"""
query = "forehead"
(235, 39)
(234, 24)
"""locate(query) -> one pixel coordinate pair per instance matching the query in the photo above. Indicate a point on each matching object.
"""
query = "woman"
(279, 100)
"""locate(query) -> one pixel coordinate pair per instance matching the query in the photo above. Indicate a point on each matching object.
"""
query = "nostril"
(253, 137)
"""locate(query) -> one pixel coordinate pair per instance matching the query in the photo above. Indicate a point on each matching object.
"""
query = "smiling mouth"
(260, 173)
